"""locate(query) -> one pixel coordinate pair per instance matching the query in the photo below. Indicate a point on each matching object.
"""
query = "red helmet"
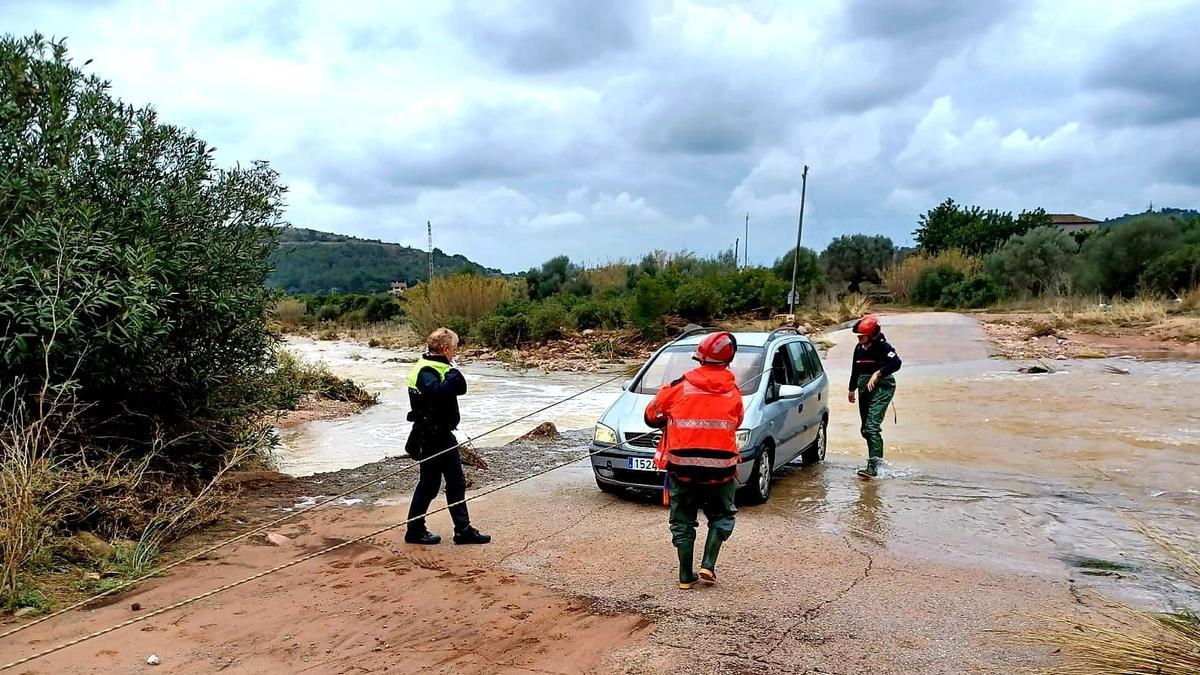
(868, 325)
(716, 348)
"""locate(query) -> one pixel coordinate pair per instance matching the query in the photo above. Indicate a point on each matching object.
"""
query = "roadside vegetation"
(1116, 638)
(136, 367)
(1141, 271)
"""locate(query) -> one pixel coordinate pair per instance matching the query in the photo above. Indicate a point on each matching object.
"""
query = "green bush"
(652, 300)
(1174, 273)
(933, 282)
(548, 320)
(753, 290)
(132, 268)
(293, 378)
(1113, 261)
(599, 313)
(698, 300)
(973, 293)
(328, 313)
(1034, 263)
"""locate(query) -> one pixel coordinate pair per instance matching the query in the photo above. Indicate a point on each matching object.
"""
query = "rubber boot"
(708, 565)
(687, 575)
(872, 469)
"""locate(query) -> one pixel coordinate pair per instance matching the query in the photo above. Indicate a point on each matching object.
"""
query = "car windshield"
(673, 362)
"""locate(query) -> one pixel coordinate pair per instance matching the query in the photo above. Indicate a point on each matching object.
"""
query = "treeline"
(312, 262)
(971, 258)
(560, 296)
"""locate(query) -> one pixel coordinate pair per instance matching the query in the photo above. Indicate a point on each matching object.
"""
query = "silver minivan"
(785, 392)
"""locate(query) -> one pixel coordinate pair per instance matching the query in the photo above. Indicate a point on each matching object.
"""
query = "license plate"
(642, 464)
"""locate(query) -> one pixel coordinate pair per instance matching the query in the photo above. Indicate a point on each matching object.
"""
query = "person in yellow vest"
(434, 386)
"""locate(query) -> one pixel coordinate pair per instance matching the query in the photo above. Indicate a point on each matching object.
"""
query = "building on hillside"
(1072, 224)
(398, 288)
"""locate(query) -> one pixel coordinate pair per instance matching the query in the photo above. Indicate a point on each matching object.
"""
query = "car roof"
(745, 339)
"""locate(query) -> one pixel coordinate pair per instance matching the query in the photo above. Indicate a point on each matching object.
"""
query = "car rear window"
(674, 361)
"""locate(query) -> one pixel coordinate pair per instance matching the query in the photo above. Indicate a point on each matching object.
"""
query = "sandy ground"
(833, 576)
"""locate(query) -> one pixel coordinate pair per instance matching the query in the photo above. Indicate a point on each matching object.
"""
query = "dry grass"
(457, 301)
(289, 314)
(901, 280)
(832, 310)
(1120, 639)
(607, 278)
(386, 335)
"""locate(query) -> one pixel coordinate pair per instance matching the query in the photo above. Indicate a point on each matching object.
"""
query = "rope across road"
(265, 526)
(330, 549)
(284, 566)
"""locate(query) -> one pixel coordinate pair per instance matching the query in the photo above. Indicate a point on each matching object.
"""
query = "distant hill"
(308, 261)
(1166, 211)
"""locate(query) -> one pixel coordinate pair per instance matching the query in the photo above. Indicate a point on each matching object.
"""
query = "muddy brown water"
(1035, 473)
(1045, 474)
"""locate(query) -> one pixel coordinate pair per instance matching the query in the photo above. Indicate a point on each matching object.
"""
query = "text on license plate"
(642, 464)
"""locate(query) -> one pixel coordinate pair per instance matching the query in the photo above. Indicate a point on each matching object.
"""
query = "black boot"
(471, 536)
(687, 575)
(708, 565)
(422, 537)
(872, 469)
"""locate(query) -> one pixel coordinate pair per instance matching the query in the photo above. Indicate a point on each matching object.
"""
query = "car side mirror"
(790, 391)
(626, 385)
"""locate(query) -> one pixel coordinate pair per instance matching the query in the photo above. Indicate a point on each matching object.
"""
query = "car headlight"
(743, 438)
(604, 435)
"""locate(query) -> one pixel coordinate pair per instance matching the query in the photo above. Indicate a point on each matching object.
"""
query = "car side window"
(804, 371)
(782, 371)
(814, 360)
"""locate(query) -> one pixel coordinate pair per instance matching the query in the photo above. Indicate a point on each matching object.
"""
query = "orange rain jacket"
(699, 414)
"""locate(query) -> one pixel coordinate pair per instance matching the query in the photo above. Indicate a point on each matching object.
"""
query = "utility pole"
(735, 252)
(799, 231)
(429, 231)
(747, 249)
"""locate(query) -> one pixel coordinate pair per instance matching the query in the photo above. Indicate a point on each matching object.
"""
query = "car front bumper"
(611, 466)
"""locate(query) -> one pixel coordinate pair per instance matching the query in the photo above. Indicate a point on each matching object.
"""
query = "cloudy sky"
(602, 130)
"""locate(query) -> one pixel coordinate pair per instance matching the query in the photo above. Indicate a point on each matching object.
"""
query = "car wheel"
(607, 488)
(758, 489)
(816, 452)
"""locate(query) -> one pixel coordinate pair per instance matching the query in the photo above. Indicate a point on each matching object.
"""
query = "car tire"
(816, 452)
(606, 488)
(758, 489)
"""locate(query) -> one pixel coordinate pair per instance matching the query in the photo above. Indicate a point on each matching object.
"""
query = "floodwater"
(494, 397)
(1034, 474)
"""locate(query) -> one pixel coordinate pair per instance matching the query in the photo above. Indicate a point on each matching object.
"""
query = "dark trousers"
(689, 499)
(448, 466)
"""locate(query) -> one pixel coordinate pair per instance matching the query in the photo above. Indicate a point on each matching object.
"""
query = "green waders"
(872, 407)
(687, 500)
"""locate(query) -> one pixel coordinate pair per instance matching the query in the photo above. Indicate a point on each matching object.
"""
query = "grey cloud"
(1154, 68)
(920, 23)
(895, 46)
(540, 36)
(709, 111)
(489, 141)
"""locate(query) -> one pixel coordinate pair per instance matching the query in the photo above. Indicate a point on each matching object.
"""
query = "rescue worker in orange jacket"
(700, 414)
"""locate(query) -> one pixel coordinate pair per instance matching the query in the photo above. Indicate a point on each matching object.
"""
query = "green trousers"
(872, 407)
(688, 499)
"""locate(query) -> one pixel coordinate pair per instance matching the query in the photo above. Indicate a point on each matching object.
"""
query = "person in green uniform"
(873, 384)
